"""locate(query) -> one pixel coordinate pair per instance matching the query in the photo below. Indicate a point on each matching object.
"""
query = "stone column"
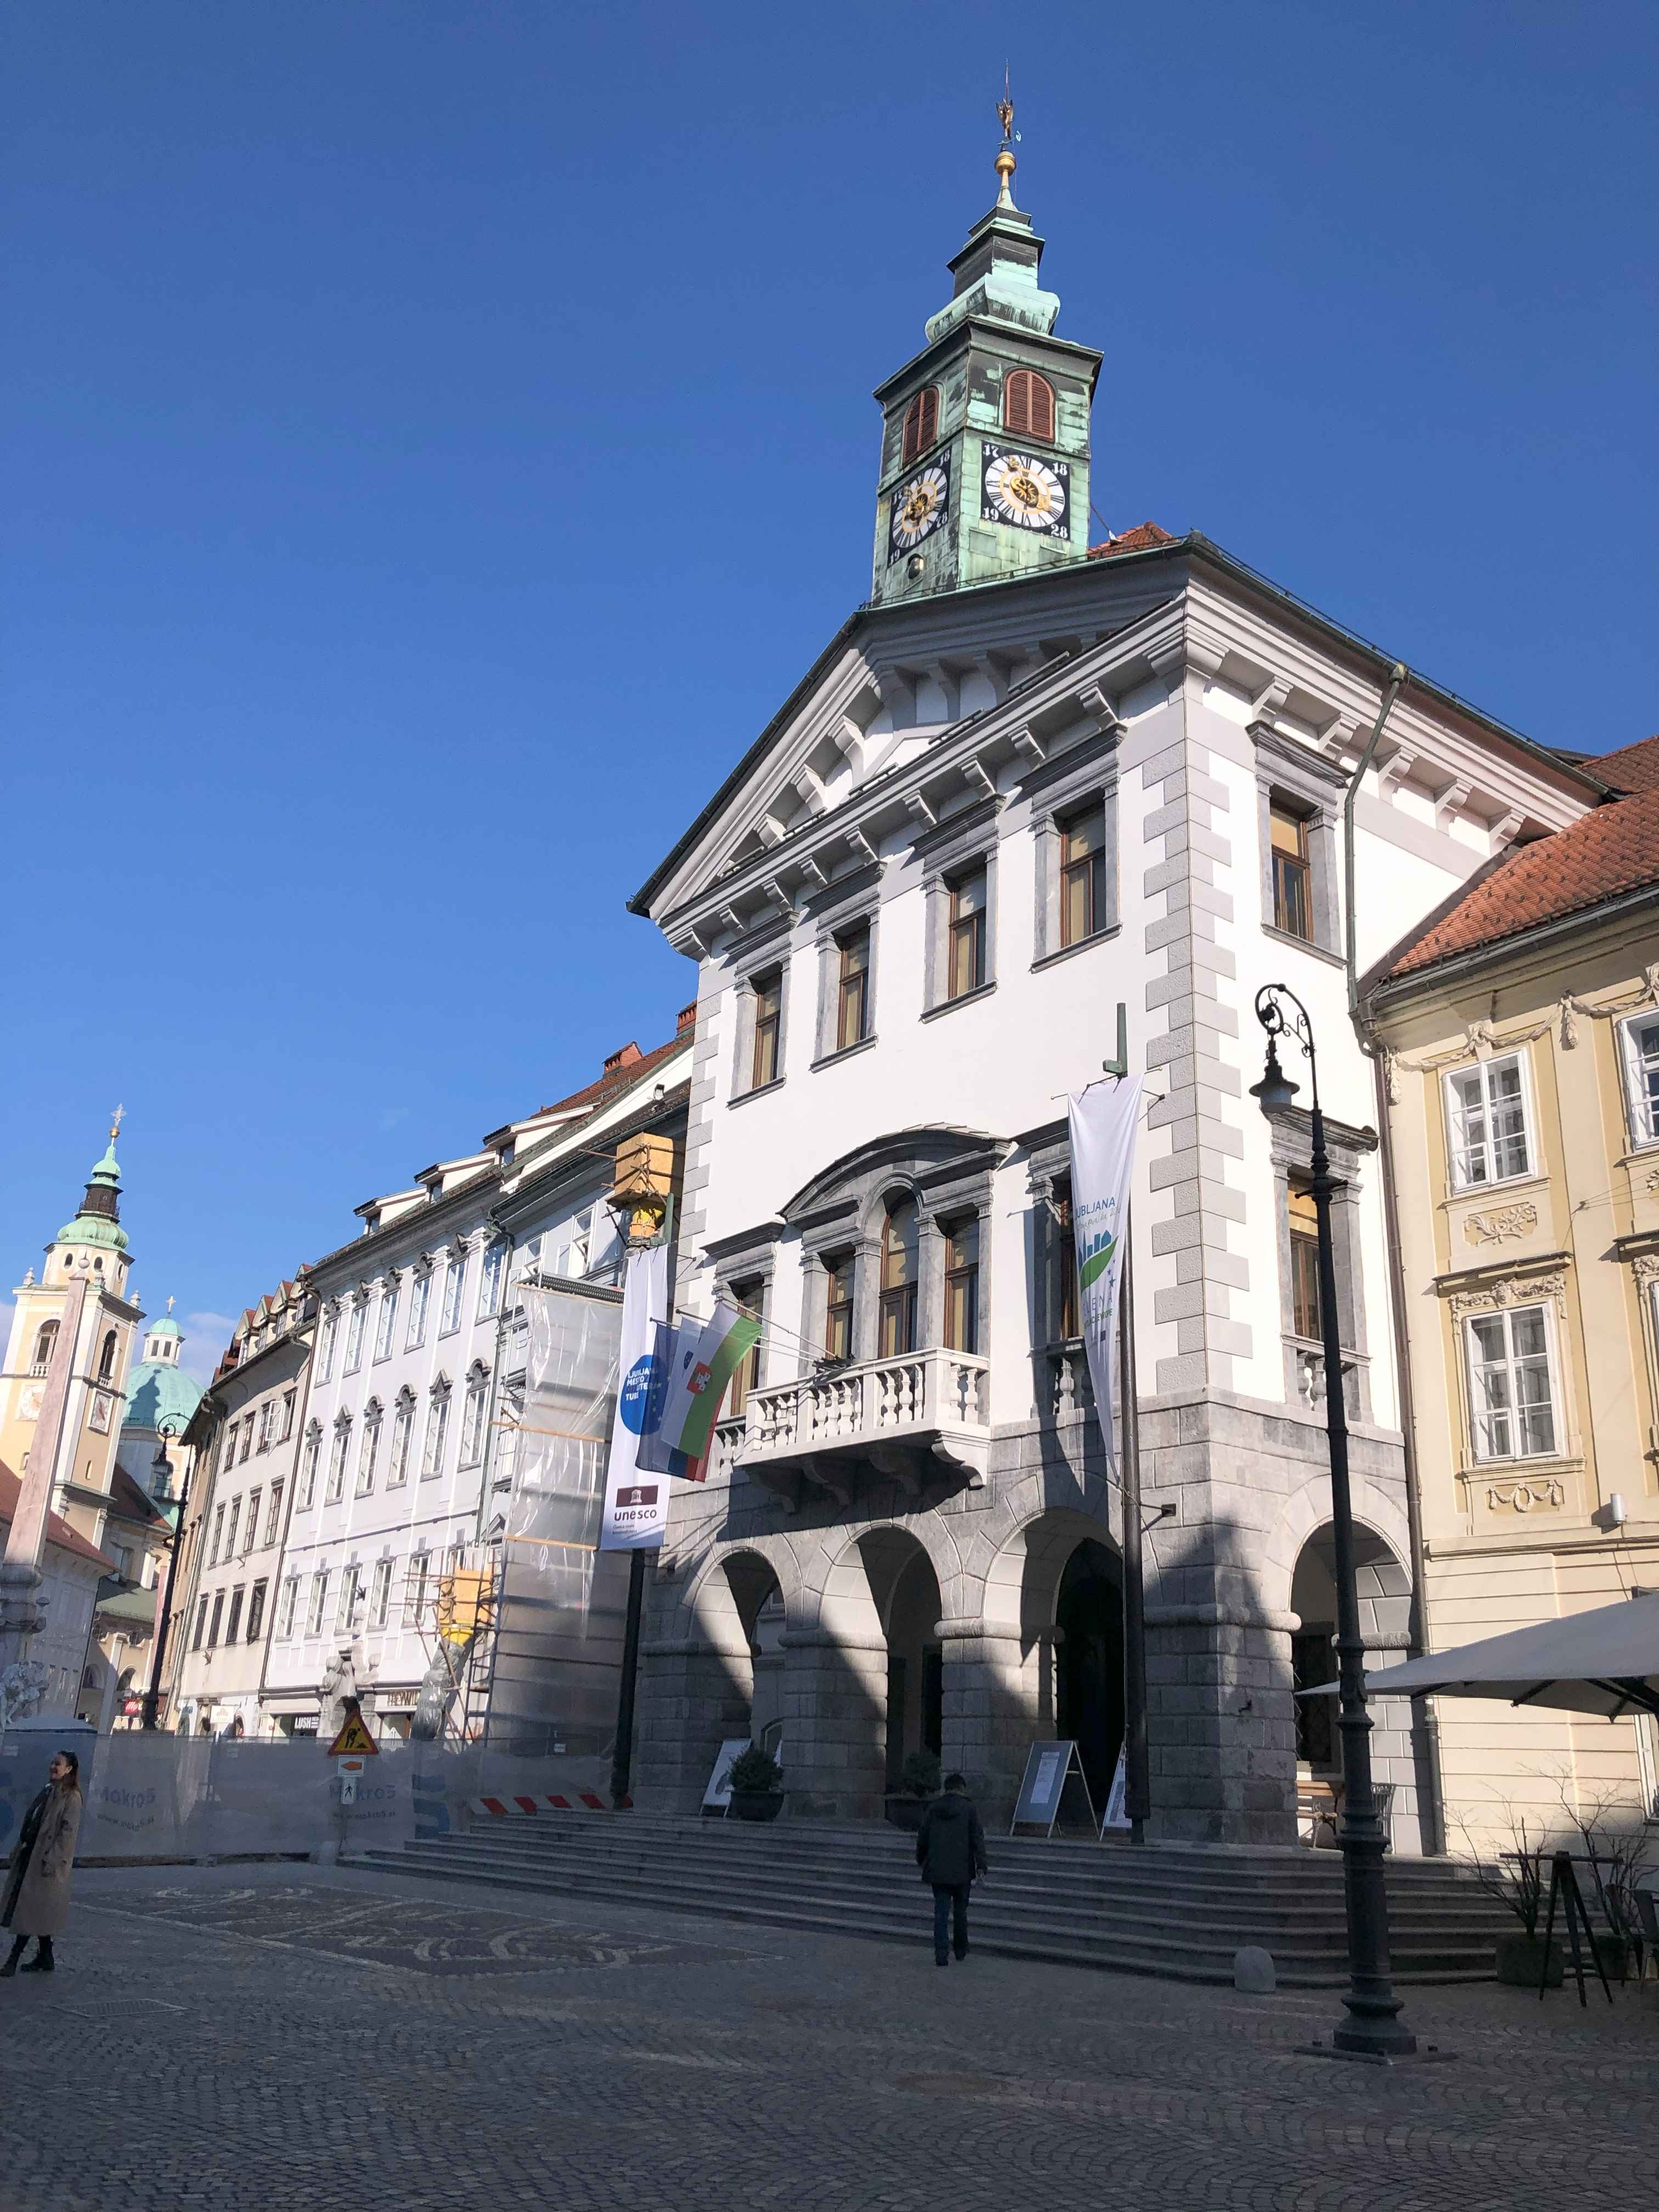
(990, 1711)
(694, 1697)
(835, 1724)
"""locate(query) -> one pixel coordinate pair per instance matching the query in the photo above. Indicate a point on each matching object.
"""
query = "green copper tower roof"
(99, 1219)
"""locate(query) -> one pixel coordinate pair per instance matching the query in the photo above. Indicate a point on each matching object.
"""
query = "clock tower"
(985, 434)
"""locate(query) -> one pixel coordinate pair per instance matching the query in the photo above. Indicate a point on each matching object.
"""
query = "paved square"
(303, 2038)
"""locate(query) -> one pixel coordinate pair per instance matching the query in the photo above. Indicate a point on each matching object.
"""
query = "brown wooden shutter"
(920, 422)
(1028, 406)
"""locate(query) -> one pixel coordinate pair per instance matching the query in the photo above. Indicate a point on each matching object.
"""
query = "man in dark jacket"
(950, 1852)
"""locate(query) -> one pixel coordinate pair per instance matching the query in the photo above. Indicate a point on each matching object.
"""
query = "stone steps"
(1176, 1913)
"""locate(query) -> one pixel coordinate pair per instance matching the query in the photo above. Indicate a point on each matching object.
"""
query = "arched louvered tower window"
(921, 422)
(1028, 406)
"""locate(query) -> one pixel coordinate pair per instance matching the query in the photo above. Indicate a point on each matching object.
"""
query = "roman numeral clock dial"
(919, 507)
(1025, 492)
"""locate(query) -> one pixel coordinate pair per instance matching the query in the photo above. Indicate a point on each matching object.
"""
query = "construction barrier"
(584, 1801)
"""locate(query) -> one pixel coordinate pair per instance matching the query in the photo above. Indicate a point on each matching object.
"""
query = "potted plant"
(1516, 1880)
(919, 1779)
(756, 1784)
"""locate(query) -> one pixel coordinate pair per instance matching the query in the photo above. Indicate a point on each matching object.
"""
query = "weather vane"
(115, 1126)
(1005, 108)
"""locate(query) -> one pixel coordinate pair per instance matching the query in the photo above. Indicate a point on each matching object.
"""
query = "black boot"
(19, 1943)
(42, 1962)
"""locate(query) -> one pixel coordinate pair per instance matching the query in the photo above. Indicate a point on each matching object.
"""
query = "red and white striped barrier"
(584, 1801)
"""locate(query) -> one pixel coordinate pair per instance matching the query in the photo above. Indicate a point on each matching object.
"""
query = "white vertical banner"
(636, 1503)
(1104, 1121)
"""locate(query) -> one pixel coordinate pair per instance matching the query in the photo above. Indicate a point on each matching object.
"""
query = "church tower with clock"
(985, 434)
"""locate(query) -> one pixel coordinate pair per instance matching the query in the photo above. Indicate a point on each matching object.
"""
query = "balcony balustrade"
(917, 1418)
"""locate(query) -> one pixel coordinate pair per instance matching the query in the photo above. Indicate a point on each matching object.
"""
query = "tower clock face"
(1025, 492)
(919, 507)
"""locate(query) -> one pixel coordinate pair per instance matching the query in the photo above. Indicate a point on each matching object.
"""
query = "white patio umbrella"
(1606, 1661)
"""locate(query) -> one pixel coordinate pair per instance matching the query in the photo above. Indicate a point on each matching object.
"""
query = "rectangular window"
(420, 1297)
(290, 1403)
(290, 1605)
(768, 1028)
(313, 1452)
(1292, 874)
(201, 1625)
(1488, 1113)
(235, 1620)
(838, 1307)
(256, 1611)
(354, 1350)
(368, 1452)
(230, 1527)
(965, 952)
(415, 1588)
(274, 1514)
(900, 1283)
(218, 1530)
(747, 1378)
(402, 1428)
(1510, 1385)
(490, 1280)
(337, 1460)
(1070, 1324)
(253, 1524)
(454, 1282)
(380, 1603)
(437, 1427)
(325, 1350)
(962, 1285)
(1082, 875)
(213, 1623)
(472, 1423)
(386, 1323)
(229, 1457)
(318, 1612)
(1641, 1043)
(1304, 1263)
(247, 1440)
(267, 1416)
(852, 990)
(349, 1615)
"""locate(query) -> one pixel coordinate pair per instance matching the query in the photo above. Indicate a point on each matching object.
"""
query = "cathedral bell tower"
(985, 434)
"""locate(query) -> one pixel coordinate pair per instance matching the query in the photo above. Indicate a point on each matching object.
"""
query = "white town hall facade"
(1024, 783)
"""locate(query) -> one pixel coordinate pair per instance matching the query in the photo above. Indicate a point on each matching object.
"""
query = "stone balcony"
(917, 1419)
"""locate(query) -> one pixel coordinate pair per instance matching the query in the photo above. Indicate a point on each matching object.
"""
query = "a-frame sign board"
(1054, 1787)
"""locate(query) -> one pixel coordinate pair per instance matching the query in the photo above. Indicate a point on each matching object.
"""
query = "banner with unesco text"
(635, 1501)
(1104, 1121)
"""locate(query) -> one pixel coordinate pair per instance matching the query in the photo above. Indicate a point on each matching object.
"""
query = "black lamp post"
(1373, 2028)
(161, 1466)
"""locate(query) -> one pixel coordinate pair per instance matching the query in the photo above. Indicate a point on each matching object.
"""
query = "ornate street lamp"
(1373, 2028)
(161, 1471)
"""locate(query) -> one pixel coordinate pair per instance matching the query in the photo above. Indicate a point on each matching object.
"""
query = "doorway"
(1088, 1668)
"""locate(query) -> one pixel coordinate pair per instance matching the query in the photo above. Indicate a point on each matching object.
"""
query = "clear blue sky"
(438, 436)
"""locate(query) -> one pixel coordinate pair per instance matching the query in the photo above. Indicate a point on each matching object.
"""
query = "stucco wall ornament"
(1645, 1265)
(1512, 1291)
(1522, 1496)
(1480, 1041)
(1501, 1223)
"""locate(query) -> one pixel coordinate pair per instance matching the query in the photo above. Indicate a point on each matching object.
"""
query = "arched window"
(1028, 406)
(899, 1284)
(107, 1358)
(921, 422)
(43, 1344)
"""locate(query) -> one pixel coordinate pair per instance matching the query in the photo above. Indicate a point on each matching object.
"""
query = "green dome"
(158, 1396)
(165, 1327)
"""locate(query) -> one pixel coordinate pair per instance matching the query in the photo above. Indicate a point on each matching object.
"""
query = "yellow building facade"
(1521, 1037)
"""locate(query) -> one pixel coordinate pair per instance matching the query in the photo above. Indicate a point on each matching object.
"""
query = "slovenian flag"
(702, 1363)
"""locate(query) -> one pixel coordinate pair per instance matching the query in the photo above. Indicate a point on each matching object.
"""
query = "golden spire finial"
(115, 1125)
(1004, 161)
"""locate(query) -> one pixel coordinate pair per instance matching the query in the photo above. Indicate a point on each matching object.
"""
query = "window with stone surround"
(235, 1619)
(380, 1603)
(388, 1319)
(1298, 801)
(326, 1349)
(966, 949)
(318, 1612)
(403, 1429)
(1638, 1040)
(308, 1461)
(838, 1277)
(368, 1449)
(1486, 1122)
(288, 1606)
(256, 1610)
(961, 1285)
(852, 986)
(420, 1297)
(354, 1325)
(751, 1294)
(1512, 1390)
(1074, 839)
(337, 1460)
(900, 1288)
(1300, 1316)
(765, 1059)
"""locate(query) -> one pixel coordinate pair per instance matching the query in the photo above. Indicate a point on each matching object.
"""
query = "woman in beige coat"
(38, 1883)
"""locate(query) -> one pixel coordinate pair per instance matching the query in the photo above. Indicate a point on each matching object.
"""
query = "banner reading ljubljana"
(1103, 1121)
(636, 1501)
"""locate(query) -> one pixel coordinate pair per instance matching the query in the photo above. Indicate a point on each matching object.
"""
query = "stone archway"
(1089, 1662)
(1384, 1592)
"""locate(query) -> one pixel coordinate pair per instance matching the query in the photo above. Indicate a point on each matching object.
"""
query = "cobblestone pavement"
(296, 2037)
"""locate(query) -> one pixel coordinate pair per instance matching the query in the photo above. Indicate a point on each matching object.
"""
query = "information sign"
(1053, 1780)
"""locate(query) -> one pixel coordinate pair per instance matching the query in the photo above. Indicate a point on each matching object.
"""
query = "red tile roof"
(57, 1532)
(1612, 849)
(1138, 540)
(616, 1079)
(1632, 768)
